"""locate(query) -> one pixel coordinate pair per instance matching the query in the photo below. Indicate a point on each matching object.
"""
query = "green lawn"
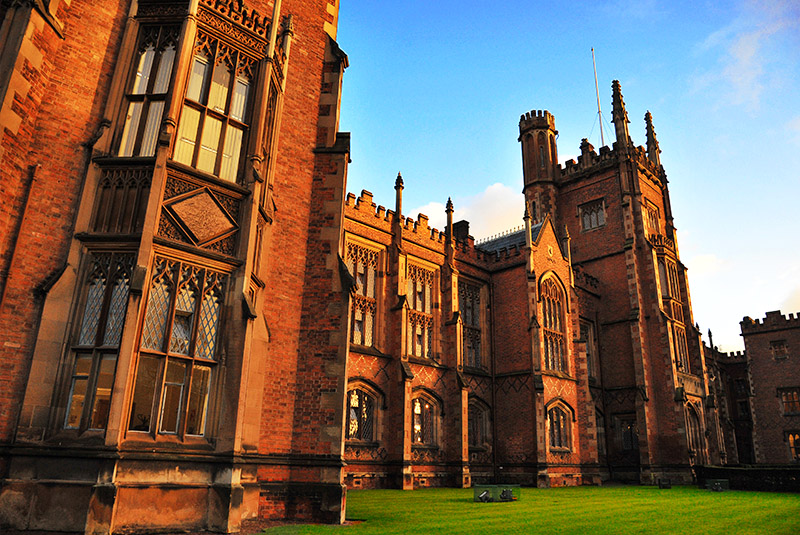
(584, 510)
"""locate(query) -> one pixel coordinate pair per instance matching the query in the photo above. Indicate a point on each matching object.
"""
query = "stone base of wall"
(782, 478)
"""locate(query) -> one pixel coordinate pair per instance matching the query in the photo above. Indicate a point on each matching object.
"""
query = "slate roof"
(509, 240)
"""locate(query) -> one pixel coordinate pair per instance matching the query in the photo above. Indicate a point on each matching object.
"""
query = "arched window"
(694, 434)
(360, 415)
(553, 307)
(478, 424)
(423, 413)
(542, 151)
(420, 312)
(363, 266)
(560, 428)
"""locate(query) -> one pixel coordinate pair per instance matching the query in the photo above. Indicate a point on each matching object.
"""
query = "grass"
(592, 510)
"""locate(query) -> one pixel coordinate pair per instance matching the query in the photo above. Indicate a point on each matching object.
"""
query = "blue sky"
(435, 90)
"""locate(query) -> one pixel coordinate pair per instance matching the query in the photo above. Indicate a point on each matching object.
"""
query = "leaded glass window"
(469, 304)
(423, 425)
(420, 316)
(147, 90)
(101, 317)
(790, 397)
(361, 415)
(793, 438)
(175, 370)
(554, 338)
(558, 422)
(593, 214)
(214, 118)
(477, 424)
(363, 265)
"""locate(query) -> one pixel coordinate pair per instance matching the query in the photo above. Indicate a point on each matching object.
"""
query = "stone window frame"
(479, 428)
(589, 335)
(627, 431)
(651, 217)
(792, 439)
(694, 432)
(555, 354)
(470, 309)
(560, 423)
(779, 349)
(147, 90)
(366, 298)
(592, 215)
(174, 337)
(421, 319)
(364, 390)
(99, 321)
(426, 414)
(213, 55)
(790, 400)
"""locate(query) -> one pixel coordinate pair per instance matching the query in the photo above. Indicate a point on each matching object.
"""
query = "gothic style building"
(200, 327)
(170, 296)
(561, 354)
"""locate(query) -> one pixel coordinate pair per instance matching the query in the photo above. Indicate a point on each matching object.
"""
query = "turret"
(653, 152)
(619, 115)
(537, 133)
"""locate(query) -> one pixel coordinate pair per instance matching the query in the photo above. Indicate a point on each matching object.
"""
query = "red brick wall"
(60, 111)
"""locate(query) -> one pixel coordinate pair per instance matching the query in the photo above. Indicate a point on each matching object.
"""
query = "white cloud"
(705, 265)
(495, 209)
(746, 45)
(792, 302)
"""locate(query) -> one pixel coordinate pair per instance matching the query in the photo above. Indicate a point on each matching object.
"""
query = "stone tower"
(537, 133)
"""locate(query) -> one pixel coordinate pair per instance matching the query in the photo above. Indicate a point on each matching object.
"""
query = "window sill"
(476, 371)
(367, 350)
(425, 361)
(560, 375)
(141, 439)
(361, 443)
(560, 451)
(196, 173)
(430, 447)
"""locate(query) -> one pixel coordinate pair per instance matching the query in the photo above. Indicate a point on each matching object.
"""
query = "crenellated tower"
(540, 169)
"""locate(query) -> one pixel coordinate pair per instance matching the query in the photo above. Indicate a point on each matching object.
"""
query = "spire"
(619, 114)
(652, 143)
(398, 188)
(448, 209)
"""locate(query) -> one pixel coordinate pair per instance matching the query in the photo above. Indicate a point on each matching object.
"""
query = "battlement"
(536, 119)
(774, 320)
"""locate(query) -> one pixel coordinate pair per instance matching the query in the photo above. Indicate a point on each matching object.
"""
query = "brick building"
(170, 300)
(198, 320)
(730, 384)
(771, 346)
(562, 353)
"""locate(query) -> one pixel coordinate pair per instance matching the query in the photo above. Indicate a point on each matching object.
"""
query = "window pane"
(218, 94)
(230, 155)
(102, 392)
(183, 322)
(174, 381)
(150, 135)
(194, 90)
(77, 396)
(116, 311)
(187, 135)
(156, 317)
(91, 312)
(143, 393)
(130, 129)
(209, 145)
(198, 400)
(208, 325)
(239, 99)
(143, 71)
(164, 70)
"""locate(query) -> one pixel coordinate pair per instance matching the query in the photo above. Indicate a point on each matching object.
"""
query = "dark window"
(363, 266)
(96, 344)
(629, 434)
(214, 118)
(423, 425)
(361, 416)
(559, 424)
(587, 334)
(592, 214)
(601, 433)
(743, 408)
(779, 349)
(555, 344)
(741, 386)
(420, 317)
(790, 397)
(477, 425)
(147, 91)
(469, 304)
(681, 354)
(178, 349)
